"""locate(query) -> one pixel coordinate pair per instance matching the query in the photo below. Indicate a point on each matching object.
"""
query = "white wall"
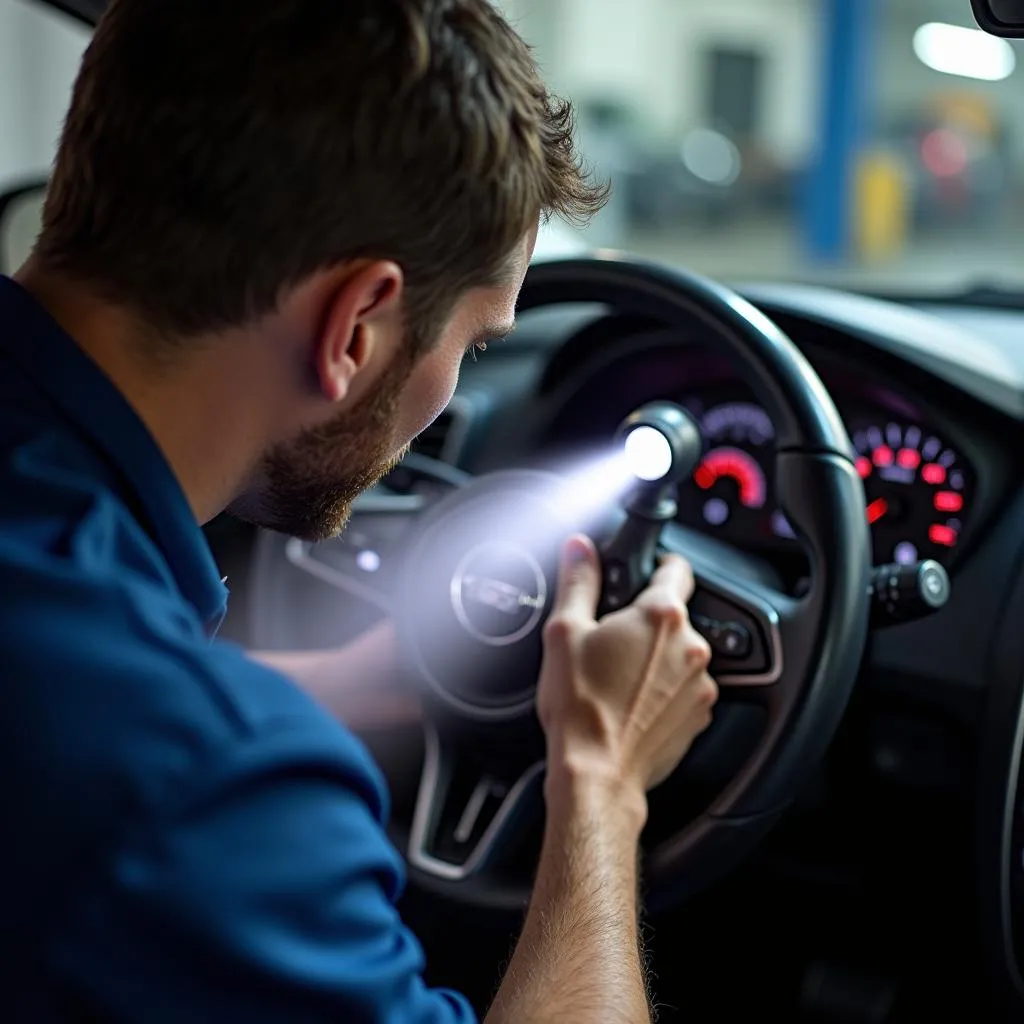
(651, 52)
(39, 55)
(787, 32)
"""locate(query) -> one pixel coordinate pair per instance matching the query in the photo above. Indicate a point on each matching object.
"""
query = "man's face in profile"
(312, 480)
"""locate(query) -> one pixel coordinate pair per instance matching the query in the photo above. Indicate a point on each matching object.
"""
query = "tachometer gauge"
(917, 488)
(731, 493)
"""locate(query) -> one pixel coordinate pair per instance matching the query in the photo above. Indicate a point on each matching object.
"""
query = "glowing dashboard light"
(704, 478)
(949, 501)
(738, 465)
(934, 474)
(944, 536)
(877, 510)
(648, 453)
(864, 467)
(905, 553)
(883, 455)
(967, 52)
(908, 458)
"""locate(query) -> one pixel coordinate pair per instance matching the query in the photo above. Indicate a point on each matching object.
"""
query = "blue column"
(848, 36)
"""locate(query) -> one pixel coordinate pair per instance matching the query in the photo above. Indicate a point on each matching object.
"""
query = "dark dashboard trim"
(970, 363)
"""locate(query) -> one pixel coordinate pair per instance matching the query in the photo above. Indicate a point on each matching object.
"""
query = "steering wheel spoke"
(469, 812)
(364, 559)
(741, 615)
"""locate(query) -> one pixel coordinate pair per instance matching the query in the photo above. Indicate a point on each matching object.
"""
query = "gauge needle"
(877, 509)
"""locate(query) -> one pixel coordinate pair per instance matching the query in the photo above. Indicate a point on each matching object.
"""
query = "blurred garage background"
(875, 142)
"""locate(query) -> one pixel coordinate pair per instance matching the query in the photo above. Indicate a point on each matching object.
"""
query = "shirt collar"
(94, 405)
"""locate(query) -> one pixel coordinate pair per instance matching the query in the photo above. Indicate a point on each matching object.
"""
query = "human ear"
(361, 318)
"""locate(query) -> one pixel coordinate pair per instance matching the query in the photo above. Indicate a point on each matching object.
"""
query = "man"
(273, 230)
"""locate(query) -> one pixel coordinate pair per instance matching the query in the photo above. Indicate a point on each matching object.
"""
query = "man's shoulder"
(99, 643)
(114, 696)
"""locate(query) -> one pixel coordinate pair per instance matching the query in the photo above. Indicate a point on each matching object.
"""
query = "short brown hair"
(217, 153)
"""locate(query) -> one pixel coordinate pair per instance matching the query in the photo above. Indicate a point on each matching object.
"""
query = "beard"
(310, 482)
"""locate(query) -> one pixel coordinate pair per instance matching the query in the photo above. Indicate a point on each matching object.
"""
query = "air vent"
(446, 437)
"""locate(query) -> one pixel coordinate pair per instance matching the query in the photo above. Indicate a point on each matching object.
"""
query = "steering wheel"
(475, 584)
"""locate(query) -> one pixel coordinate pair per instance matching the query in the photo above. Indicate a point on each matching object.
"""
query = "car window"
(858, 141)
(39, 54)
(862, 142)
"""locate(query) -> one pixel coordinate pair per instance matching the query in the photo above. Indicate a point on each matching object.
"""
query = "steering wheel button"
(734, 641)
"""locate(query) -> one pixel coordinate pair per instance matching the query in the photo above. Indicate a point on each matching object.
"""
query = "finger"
(579, 580)
(675, 576)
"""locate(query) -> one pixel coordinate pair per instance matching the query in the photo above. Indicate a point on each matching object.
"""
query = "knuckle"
(667, 611)
(682, 570)
(707, 692)
(558, 629)
(698, 652)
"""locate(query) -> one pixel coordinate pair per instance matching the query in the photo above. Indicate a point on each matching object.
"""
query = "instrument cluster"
(918, 486)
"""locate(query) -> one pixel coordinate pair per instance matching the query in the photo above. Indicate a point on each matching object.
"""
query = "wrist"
(573, 786)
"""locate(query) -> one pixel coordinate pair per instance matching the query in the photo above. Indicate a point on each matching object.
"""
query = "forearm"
(355, 683)
(578, 959)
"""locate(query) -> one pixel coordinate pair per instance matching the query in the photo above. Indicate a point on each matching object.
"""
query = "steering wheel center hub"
(499, 593)
(477, 587)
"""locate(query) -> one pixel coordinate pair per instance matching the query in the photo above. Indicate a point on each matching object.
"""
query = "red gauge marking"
(883, 455)
(738, 466)
(949, 501)
(704, 478)
(934, 474)
(877, 509)
(864, 467)
(908, 458)
(945, 536)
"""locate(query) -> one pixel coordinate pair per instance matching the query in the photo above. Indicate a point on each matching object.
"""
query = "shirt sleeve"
(265, 893)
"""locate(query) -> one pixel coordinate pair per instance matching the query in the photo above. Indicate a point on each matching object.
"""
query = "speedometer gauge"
(917, 488)
(731, 494)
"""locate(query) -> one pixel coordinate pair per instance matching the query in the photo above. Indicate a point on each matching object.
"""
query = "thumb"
(579, 579)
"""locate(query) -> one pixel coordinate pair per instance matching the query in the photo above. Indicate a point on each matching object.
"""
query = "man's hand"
(621, 701)
(357, 683)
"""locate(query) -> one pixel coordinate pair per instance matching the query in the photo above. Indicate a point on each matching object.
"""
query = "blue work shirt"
(185, 834)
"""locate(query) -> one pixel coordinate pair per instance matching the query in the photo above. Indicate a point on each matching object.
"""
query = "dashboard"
(920, 464)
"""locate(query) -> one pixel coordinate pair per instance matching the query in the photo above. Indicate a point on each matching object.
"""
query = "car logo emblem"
(499, 593)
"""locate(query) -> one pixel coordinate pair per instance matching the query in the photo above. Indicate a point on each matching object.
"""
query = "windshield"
(876, 144)
(873, 143)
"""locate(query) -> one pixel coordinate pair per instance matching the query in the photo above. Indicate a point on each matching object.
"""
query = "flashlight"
(661, 445)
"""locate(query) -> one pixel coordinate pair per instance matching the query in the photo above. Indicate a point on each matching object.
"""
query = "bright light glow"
(368, 561)
(967, 52)
(648, 453)
(712, 157)
(587, 491)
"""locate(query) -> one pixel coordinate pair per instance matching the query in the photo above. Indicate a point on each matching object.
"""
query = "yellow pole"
(881, 208)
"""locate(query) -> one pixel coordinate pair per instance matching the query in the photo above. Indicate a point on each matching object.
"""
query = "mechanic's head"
(354, 186)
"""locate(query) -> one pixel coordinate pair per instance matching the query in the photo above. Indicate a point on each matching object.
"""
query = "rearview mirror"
(1000, 17)
(21, 217)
